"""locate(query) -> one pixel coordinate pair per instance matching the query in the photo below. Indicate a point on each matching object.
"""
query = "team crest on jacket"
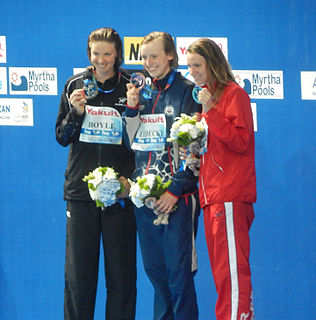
(169, 110)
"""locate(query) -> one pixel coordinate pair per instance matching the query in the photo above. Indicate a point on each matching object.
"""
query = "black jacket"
(85, 157)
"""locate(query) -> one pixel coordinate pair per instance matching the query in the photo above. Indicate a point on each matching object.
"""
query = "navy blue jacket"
(172, 102)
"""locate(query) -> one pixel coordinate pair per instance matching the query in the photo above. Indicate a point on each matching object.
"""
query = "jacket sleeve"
(234, 126)
(68, 123)
(183, 182)
(132, 122)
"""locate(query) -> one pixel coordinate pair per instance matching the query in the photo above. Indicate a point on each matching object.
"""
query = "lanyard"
(107, 91)
(91, 88)
(148, 90)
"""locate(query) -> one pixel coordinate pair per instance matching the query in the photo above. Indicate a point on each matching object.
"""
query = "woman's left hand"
(166, 202)
(127, 187)
(205, 98)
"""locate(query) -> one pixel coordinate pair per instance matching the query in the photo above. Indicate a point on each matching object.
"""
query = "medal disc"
(195, 93)
(90, 89)
(138, 80)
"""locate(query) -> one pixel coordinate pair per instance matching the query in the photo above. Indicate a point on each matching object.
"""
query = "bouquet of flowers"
(104, 186)
(192, 134)
(146, 191)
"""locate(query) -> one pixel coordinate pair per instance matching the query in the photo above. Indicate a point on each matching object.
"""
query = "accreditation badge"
(151, 134)
(101, 125)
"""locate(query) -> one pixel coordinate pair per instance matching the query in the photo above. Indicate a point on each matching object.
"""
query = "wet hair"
(108, 35)
(168, 44)
(218, 68)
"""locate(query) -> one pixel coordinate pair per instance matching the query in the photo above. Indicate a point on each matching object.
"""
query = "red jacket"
(227, 171)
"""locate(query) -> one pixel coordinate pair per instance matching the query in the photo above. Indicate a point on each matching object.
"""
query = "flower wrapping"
(146, 191)
(104, 186)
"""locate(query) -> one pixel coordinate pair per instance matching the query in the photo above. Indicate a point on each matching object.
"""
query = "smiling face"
(103, 56)
(197, 68)
(155, 60)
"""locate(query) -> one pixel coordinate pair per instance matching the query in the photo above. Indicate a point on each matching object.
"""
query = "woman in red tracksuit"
(227, 178)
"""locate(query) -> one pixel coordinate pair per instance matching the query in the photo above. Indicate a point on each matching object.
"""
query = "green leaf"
(121, 190)
(99, 203)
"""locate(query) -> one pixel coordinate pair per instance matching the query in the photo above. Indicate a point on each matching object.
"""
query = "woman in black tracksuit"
(93, 130)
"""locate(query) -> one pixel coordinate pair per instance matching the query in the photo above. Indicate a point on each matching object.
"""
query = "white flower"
(194, 132)
(200, 126)
(150, 180)
(97, 177)
(110, 174)
(144, 186)
(185, 130)
(186, 127)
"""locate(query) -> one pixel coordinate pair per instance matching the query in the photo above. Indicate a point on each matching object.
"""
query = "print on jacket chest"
(101, 125)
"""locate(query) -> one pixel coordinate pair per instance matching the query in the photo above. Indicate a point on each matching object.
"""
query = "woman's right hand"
(132, 95)
(78, 100)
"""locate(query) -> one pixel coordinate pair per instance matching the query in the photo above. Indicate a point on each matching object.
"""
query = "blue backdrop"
(262, 35)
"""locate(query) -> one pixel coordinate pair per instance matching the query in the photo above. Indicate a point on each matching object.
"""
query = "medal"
(90, 89)
(195, 93)
(148, 90)
(138, 80)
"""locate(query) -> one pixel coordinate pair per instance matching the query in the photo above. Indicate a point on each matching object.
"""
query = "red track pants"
(227, 235)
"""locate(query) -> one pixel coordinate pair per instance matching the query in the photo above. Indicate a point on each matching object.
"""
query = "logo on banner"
(186, 74)
(37, 81)
(3, 50)
(78, 70)
(261, 84)
(184, 42)
(308, 85)
(132, 50)
(16, 112)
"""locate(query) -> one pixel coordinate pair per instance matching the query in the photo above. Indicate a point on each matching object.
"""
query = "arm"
(70, 117)
(233, 126)
(131, 112)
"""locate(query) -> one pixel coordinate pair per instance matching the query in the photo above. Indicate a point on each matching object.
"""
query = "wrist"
(132, 107)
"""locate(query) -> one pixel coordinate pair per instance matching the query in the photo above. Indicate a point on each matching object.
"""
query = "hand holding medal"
(90, 89)
(195, 93)
(137, 82)
(78, 100)
(202, 95)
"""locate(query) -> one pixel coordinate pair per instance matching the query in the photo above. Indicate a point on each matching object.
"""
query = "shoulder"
(80, 76)
(234, 87)
(181, 81)
(76, 78)
(125, 75)
(236, 90)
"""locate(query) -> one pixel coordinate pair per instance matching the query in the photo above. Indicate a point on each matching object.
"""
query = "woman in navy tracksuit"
(168, 250)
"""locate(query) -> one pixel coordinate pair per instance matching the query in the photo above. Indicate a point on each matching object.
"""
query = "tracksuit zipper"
(152, 112)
